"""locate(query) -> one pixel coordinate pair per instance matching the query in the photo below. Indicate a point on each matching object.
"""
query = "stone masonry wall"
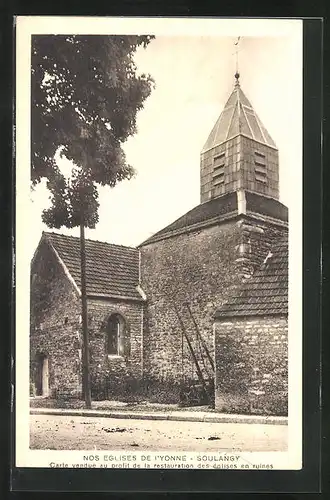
(202, 268)
(55, 310)
(251, 365)
(56, 333)
(197, 268)
(111, 375)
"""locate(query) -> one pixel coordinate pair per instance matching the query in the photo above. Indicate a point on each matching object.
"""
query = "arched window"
(116, 335)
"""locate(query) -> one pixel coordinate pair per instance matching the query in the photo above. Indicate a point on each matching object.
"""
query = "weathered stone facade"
(111, 375)
(56, 333)
(198, 268)
(55, 325)
(251, 365)
(202, 268)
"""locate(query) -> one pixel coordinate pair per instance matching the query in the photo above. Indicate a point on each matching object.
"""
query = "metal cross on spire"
(237, 49)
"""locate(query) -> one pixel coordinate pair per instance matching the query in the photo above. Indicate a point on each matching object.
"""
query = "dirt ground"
(91, 433)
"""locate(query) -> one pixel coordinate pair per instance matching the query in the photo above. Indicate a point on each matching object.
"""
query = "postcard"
(158, 243)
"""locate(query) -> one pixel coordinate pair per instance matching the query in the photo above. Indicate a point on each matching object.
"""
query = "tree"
(86, 93)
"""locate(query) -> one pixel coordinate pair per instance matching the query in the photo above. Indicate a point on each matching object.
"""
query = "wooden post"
(86, 385)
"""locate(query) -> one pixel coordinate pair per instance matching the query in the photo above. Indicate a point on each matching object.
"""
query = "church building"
(197, 313)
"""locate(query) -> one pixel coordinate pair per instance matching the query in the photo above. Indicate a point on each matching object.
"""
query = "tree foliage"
(86, 93)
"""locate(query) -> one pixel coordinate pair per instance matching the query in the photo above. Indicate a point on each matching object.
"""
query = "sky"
(194, 76)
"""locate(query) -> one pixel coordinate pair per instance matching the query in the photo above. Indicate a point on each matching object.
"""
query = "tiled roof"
(112, 270)
(203, 212)
(238, 117)
(223, 205)
(266, 292)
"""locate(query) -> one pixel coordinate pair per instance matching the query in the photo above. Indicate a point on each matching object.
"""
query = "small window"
(116, 335)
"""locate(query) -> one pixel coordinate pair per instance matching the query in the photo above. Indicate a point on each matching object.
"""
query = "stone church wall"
(56, 333)
(196, 267)
(251, 365)
(202, 268)
(55, 310)
(115, 376)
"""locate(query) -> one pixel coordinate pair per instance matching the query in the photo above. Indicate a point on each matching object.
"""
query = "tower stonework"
(239, 153)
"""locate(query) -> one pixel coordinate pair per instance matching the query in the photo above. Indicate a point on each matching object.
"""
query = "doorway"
(42, 382)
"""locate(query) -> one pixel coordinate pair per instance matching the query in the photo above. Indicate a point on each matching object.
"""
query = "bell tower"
(239, 152)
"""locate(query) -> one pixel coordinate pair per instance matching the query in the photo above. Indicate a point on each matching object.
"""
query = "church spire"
(239, 152)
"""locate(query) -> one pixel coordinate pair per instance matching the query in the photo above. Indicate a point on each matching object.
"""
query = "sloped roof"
(266, 292)
(111, 270)
(220, 206)
(238, 117)
(217, 206)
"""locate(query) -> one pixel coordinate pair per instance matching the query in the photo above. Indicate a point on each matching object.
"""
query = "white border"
(25, 27)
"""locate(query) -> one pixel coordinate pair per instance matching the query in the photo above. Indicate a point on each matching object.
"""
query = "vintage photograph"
(163, 193)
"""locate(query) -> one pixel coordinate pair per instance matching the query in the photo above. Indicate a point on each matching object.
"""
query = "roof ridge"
(50, 233)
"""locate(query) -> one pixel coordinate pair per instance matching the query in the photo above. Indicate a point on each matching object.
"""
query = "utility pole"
(86, 384)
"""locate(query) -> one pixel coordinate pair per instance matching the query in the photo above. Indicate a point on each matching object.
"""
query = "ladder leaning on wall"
(204, 382)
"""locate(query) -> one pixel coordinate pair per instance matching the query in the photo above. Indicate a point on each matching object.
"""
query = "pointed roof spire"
(238, 117)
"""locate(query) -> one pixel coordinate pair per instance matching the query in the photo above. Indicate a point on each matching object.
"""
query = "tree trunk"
(86, 384)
